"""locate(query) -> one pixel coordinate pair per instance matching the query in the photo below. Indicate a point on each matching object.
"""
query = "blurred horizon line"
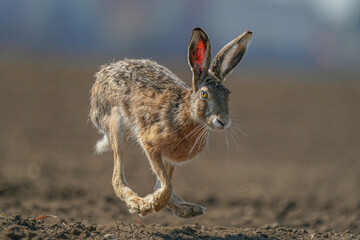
(181, 67)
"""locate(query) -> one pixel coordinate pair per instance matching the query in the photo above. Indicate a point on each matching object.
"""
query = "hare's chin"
(218, 129)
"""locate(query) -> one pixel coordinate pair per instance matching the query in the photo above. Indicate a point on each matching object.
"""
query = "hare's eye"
(204, 94)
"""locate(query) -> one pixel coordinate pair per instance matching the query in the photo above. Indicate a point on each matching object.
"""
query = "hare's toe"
(187, 210)
(141, 206)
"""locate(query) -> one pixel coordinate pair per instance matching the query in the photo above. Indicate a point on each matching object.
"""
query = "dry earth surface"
(295, 175)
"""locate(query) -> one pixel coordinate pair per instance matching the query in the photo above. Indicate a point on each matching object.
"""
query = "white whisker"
(239, 142)
(207, 141)
(227, 148)
(203, 139)
(238, 152)
(196, 130)
(236, 126)
(202, 131)
(241, 131)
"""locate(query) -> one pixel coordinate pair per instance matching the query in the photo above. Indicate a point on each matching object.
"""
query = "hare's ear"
(230, 55)
(199, 56)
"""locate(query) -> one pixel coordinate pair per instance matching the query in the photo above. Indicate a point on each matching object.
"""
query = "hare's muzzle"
(219, 123)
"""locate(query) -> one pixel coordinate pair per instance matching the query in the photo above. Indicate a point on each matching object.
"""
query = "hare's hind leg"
(133, 201)
(176, 204)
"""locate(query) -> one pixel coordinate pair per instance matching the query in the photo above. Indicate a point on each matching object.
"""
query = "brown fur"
(144, 100)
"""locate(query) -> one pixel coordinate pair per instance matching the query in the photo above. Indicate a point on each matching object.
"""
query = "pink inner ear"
(200, 54)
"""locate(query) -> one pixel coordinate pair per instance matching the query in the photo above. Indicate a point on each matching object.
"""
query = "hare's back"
(139, 73)
(145, 92)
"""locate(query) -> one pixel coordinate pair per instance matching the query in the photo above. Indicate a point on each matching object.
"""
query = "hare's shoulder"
(141, 72)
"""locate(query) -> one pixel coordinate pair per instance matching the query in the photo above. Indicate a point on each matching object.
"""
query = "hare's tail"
(103, 145)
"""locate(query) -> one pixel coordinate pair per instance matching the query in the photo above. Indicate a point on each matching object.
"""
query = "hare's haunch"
(146, 101)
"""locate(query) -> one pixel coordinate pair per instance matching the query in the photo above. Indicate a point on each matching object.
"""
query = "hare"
(140, 99)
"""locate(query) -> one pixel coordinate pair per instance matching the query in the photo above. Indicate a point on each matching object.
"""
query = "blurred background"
(315, 34)
(293, 158)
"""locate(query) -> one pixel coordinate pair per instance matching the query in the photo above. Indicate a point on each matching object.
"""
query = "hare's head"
(210, 98)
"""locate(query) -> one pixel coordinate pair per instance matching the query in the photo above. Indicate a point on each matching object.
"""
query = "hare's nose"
(221, 123)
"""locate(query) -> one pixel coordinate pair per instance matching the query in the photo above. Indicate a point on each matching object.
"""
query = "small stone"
(86, 234)
(91, 228)
(76, 232)
(109, 236)
(274, 225)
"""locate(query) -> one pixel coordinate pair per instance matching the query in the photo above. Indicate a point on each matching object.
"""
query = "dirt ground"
(294, 172)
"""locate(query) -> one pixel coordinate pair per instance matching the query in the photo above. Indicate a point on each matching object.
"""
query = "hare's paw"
(141, 206)
(187, 210)
(159, 199)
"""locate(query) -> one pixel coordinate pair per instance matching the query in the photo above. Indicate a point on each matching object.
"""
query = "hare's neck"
(186, 118)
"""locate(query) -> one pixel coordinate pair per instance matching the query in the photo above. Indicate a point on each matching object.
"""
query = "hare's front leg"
(176, 204)
(135, 203)
(161, 196)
